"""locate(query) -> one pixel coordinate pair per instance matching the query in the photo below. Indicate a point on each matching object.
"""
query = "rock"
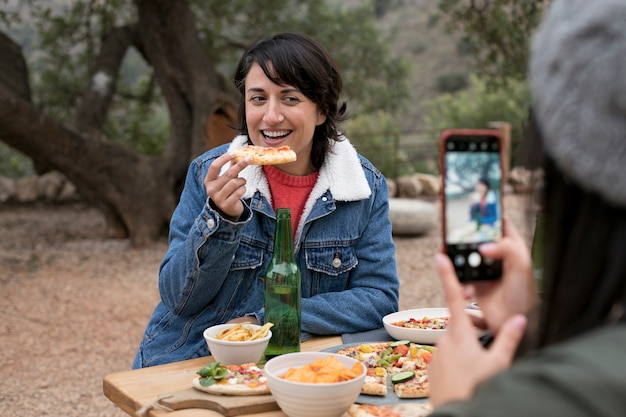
(50, 184)
(393, 188)
(7, 189)
(411, 217)
(408, 187)
(430, 184)
(67, 193)
(520, 179)
(27, 189)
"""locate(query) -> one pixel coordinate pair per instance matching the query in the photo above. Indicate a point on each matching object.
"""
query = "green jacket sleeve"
(585, 376)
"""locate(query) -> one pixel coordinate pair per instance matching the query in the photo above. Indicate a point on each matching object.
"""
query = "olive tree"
(67, 101)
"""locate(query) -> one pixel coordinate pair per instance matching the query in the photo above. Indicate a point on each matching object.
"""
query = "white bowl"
(300, 399)
(235, 353)
(425, 336)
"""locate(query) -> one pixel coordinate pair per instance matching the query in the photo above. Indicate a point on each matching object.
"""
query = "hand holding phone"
(471, 199)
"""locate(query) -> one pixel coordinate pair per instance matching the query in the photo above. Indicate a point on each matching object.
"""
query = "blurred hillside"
(439, 60)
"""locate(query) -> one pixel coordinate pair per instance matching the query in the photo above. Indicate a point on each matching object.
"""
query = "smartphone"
(471, 199)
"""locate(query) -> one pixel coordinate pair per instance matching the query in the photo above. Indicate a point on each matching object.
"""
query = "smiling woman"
(222, 232)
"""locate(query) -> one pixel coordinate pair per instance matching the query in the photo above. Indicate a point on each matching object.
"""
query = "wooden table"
(131, 390)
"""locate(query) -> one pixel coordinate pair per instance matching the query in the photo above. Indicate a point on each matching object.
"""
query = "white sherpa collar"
(341, 174)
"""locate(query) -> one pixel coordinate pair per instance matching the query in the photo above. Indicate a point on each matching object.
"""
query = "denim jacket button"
(324, 198)
(210, 223)
(336, 262)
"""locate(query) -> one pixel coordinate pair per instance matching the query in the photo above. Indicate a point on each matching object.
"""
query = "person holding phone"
(572, 361)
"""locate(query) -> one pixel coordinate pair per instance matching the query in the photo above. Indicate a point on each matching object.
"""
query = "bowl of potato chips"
(238, 343)
(313, 384)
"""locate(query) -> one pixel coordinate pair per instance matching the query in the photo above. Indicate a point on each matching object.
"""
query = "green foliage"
(500, 31)
(13, 164)
(140, 126)
(376, 137)
(69, 41)
(464, 46)
(479, 105)
(382, 7)
(451, 82)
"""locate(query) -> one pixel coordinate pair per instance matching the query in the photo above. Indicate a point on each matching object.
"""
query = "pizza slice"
(395, 410)
(247, 379)
(260, 155)
(411, 384)
(375, 382)
(370, 354)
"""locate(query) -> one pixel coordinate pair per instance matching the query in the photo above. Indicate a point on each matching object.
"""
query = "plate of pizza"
(396, 370)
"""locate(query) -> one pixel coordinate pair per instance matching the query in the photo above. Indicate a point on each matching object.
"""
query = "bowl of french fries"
(314, 384)
(238, 343)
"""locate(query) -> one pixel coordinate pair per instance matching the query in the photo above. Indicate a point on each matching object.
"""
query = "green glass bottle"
(282, 291)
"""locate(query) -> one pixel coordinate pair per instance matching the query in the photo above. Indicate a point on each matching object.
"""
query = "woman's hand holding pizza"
(460, 362)
(227, 188)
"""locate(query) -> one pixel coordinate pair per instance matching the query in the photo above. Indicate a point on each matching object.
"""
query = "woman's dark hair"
(584, 274)
(297, 60)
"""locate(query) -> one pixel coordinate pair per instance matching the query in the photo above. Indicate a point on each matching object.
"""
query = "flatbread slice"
(395, 410)
(375, 382)
(245, 379)
(413, 388)
(260, 155)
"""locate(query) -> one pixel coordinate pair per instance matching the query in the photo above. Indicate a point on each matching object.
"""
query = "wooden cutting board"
(226, 405)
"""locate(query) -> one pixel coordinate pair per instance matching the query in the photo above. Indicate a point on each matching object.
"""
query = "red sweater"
(290, 191)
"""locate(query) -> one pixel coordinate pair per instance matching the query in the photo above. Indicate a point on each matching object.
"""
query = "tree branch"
(13, 70)
(96, 100)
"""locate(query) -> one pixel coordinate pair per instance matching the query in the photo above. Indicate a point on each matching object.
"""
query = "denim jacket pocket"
(249, 255)
(332, 261)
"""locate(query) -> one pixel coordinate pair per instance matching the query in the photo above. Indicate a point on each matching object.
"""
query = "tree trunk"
(133, 191)
(136, 193)
(13, 71)
(196, 94)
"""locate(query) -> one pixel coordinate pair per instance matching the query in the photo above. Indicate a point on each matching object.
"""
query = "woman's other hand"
(244, 319)
(460, 362)
(227, 188)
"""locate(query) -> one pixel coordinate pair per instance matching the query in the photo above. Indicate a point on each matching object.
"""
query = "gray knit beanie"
(578, 85)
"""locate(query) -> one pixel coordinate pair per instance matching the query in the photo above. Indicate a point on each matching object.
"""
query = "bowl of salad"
(421, 325)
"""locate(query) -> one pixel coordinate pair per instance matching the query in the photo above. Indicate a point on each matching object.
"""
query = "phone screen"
(472, 202)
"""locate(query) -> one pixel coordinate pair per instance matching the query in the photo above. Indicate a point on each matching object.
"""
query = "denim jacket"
(213, 269)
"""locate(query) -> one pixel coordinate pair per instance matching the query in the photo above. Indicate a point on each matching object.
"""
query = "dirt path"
(74, 306)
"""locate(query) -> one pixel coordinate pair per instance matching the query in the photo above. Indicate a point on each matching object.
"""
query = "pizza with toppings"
(260, 155)
(395, 410)
(247, 379)
(401, 365)
(429, 323)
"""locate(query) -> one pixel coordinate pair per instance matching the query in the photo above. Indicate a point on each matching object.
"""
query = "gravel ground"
(74, 305)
